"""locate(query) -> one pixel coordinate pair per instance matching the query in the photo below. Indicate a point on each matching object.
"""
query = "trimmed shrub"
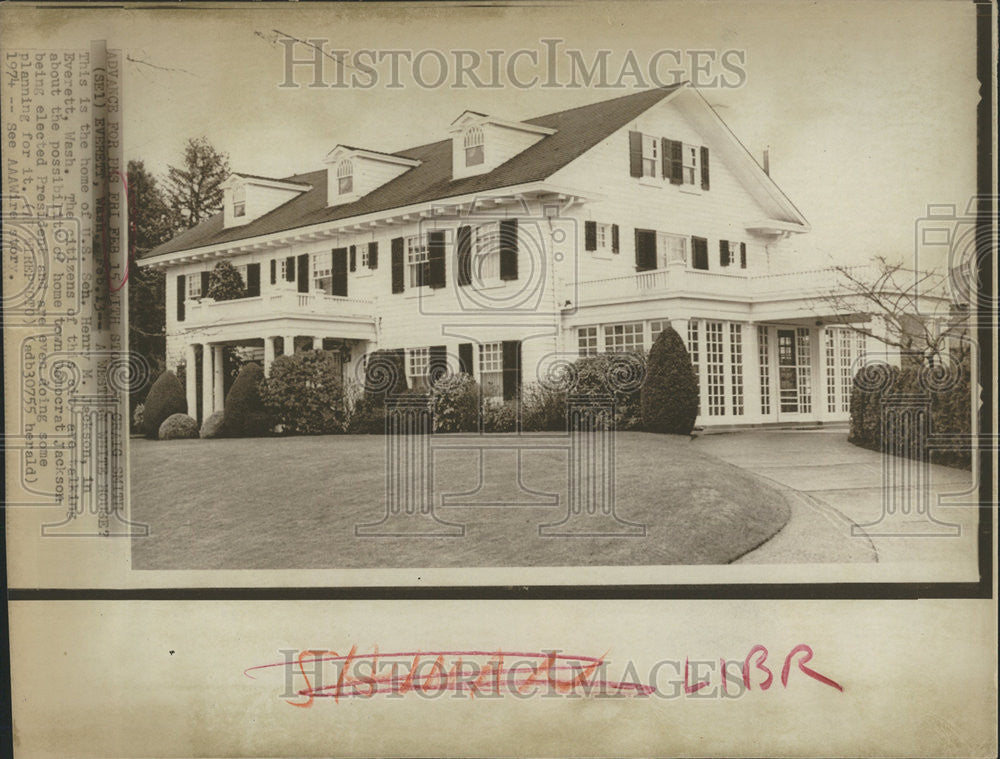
(178, 427)
(456, 404)
(365, 417)
(543, 409)
(165, 398)
(669, 395)
(499, 416)
(225, 283)
(244, 411)
(305, 393)
(214, 426)
(604, 373)
(385, 374)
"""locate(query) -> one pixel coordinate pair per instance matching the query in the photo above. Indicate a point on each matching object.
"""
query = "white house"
(508, 245)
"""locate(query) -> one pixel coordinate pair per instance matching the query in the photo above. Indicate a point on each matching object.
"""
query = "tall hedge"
(669, 395)
(244, 413)
(165, 398)
(305, 393)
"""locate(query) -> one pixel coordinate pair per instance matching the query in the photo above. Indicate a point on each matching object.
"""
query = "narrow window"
(491, 369)
(474, 153)
(239, 201)
(345, 177)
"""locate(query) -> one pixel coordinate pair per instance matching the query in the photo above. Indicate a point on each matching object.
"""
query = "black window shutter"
(465, 358)
(635, 154)
(338, 272)
(354, 258)
(253, 280)
(615, 247)
(437, 362)
(511, 369)
(274, 271)
(398, 265)
(303, 273)
(704, 167)
(590, 235)
(290, 269)
(645, 249)
(723, 253)
(181, 293)
(373, 255)
(743, 255)
(699, 253)
(508, 249)
(676, 161)
(435, 259)
(206, 278)
(463, 246)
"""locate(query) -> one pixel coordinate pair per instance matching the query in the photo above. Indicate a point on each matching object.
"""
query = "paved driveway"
(839, 490)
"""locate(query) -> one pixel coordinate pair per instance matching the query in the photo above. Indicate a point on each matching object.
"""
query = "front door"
(794, 373)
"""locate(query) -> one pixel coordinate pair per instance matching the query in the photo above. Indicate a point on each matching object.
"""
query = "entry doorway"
(794, 373)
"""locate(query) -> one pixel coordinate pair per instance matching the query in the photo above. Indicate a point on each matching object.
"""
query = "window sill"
(650, 181)
(688, 189)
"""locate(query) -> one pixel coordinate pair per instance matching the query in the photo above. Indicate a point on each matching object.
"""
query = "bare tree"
(894, 294)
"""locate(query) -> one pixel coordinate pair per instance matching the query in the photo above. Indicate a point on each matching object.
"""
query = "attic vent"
(345, 177)
(474, 146)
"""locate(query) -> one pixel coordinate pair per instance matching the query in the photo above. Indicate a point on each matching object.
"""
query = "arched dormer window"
(239, 200)
(474, 146)
(345, 176)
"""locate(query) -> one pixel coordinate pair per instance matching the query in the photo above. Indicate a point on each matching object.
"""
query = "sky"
(867, 108)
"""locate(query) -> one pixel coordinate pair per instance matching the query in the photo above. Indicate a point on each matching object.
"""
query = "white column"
(268, 354)
(317, 343)
(207, 380)
(189, 380)
(220, 386)
(289, 345)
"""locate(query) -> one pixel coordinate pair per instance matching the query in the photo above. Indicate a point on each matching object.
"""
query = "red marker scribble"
(435, 672)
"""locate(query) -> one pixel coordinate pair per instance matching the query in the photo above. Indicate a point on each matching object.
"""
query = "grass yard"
(293, 503)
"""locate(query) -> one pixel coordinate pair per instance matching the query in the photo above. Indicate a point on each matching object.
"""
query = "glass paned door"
(794, 372)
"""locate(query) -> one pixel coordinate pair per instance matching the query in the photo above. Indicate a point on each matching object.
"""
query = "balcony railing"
(677, 280)
(276, 304)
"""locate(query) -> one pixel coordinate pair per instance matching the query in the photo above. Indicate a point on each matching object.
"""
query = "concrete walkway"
(836, 493)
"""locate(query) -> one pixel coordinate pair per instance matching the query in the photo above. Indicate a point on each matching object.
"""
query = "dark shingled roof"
(578, 130)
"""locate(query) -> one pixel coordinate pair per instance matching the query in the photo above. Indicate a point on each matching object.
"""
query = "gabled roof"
(577, 130)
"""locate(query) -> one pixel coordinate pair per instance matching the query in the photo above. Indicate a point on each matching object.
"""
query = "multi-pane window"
(322, 275)
(736, 367)
(620, 338)
(586, 339)
(831, 371)
(765, 370)
(656, 327)
(416, 260)
(671, 247)
(690, 161)
(486, 253)
(491, 369)
(715, 369)
(474, 141)
(803, 369)
(345, 177)
(693, 350)
(419, 368)
(194, 285)
(650, 155)
(846, 364)
(239, 200)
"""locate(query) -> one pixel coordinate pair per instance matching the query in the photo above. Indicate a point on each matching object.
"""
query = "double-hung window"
(239, 201)
(322, 274)
(486, 254)
(671, 247)
(419, 368)
(691, 166)
(345, 177)
(650, 155)
(417, 260)
(491, 369)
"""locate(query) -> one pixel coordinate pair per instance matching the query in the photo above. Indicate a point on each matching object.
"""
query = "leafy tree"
(149, 226)
(225, 282)
(194, 190)
(669, 395)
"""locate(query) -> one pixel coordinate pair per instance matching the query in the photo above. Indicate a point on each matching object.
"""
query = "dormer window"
(239, 201)
(345, 177)
(474, 154)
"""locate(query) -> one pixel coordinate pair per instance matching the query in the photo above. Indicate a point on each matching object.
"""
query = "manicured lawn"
(291, 503)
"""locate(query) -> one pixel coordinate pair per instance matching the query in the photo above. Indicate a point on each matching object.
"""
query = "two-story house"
(511, 244)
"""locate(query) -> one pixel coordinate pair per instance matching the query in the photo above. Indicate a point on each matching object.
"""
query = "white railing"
(208, 311)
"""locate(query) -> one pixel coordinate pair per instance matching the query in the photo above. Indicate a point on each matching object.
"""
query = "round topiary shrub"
(214, 426)
(165, 398)
(305, 393)
(669, 395)
(244, 413)
(178, 427)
